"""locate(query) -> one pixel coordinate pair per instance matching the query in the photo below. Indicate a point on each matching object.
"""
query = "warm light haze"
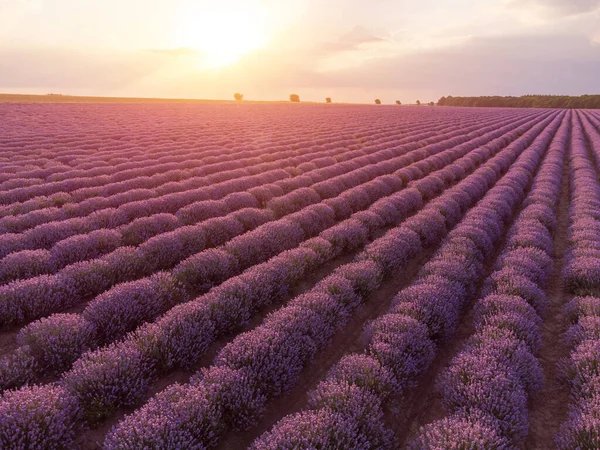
(352, 51)
(221, 32)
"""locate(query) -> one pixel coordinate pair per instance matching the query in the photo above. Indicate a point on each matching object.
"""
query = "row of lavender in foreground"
(265, 362)
(581, 372)
(37, 297)
(346, 410)
(54, 343)
(488, 383)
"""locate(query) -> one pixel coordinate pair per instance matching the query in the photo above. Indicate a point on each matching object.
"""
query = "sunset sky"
(351, 50)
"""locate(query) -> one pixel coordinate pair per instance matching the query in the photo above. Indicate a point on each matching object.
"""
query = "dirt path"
(549, 408)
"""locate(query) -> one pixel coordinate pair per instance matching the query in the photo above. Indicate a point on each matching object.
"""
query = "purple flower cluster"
(142, 229)
(123, 308)
(37, 417)
(58, 341)
(24, 264)
(18, 368)
(472, 430)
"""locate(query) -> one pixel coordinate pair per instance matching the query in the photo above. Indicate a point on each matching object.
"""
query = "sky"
(350, 50)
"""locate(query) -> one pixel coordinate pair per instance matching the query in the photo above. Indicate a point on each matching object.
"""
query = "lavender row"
(402, 343)
(27, 263)
(127, 170)
(115, 194)
(120, 374)
(39, 296)
(45, 235)
(71, 334)
(264, 363)
(96, 204)
(582, 261)
(48, 188)
(214, 156)
(580, 372)
(489, 408)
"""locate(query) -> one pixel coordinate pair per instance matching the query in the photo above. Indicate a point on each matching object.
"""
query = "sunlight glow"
(222, 32)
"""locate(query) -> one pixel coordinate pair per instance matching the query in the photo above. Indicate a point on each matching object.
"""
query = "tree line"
(295, 98)
(525, 101)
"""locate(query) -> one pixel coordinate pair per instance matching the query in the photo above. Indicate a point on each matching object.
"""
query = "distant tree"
(418, 102)
(294, 98)
(239, 97)
(328, 100)
(525, 101)
(431, 104)
(398, 102)
(377, 101)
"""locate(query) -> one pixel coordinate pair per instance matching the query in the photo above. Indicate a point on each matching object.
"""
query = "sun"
(222, 32)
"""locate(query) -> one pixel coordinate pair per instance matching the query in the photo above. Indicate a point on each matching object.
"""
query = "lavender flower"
(58, 340)
(38, 417)
(463, 430)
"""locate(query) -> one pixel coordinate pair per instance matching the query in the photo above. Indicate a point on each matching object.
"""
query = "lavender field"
(279, 276)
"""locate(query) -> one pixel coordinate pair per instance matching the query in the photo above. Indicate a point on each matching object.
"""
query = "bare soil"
(8, 340)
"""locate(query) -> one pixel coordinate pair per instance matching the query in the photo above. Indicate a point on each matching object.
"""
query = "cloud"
(559, 8)
(351, 41)
(70, 70)
(486, 66)
(476, 66)
(20, 5)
